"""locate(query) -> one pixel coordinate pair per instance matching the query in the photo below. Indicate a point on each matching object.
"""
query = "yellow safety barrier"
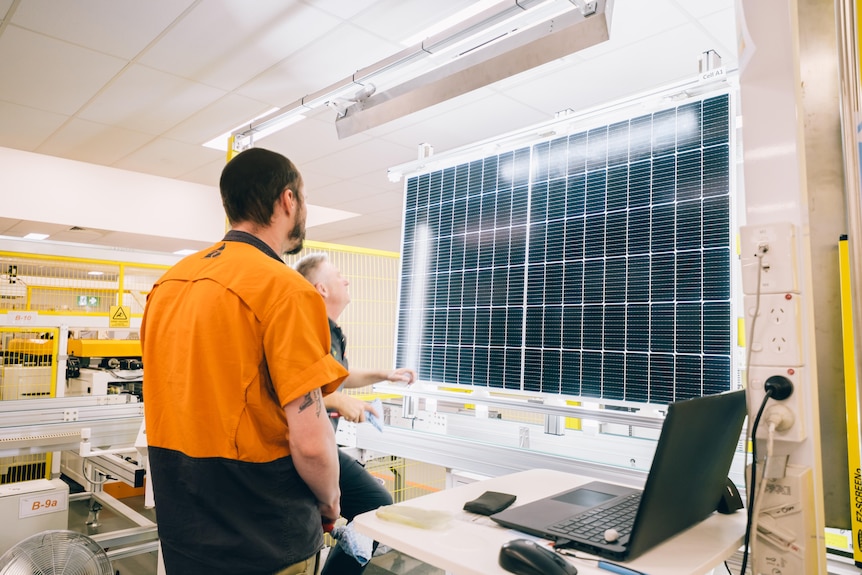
(851, 395)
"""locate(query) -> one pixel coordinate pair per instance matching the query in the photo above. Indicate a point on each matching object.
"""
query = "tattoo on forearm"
(311, 398)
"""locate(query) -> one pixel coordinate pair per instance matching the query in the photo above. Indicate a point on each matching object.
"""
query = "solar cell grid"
(594, 265)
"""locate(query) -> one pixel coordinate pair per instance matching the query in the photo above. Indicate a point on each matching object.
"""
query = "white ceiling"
(140, 85)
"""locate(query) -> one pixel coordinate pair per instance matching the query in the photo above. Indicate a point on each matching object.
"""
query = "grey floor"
(79, 513)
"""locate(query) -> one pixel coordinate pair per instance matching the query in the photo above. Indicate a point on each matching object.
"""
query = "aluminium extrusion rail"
(54, 424)
(602, 415)
(480, 457)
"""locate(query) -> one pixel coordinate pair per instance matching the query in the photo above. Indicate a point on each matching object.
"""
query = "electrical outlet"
(757, 377)
(772, 248)
(785, 525)
(777, 330)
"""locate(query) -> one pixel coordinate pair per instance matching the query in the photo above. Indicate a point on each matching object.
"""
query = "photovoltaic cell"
(593, 265)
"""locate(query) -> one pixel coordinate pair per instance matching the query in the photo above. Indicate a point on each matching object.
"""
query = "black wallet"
(489, 503)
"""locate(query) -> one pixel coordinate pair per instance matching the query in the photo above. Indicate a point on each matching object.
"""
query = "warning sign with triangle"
(120, 316)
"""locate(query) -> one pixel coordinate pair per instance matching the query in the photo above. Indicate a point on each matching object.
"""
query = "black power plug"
(780, 386)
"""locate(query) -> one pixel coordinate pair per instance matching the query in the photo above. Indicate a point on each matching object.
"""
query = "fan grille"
(57, 552)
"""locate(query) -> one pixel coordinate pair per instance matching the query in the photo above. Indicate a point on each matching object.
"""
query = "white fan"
(56, 553)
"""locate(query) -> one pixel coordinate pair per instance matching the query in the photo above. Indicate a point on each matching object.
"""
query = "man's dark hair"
(251, 183)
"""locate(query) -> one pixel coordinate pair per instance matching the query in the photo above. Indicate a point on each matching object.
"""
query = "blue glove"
(353, 543)
(373, 419)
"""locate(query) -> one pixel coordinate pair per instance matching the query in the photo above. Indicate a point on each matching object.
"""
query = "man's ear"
(288, 200)
(321, 289)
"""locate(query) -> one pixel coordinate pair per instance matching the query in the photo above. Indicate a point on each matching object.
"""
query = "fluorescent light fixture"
(447, 23)
(34, 236)
(246, 135)
(95, 273)
(484, 24)
(273, 127)
(279, 118)
(496, 43)
(185, 252)
(220, 141)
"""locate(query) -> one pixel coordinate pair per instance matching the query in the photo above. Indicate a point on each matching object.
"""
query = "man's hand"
(402, 374)
(353, 409)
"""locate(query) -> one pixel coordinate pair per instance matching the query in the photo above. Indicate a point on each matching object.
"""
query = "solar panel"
(593, 265)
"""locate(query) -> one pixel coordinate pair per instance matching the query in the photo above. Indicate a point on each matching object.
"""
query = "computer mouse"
(526, 557)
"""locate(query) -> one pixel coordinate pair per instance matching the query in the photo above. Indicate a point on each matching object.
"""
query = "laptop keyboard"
(591, 525)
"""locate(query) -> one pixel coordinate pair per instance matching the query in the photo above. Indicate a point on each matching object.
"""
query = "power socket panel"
(795, 403)
(772, 247)
(786, 525)
(777, 330)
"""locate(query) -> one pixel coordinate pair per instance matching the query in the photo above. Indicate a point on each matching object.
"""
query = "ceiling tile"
(18, 228)
(320, 215)
(361, 159)
(25, 128)
(112, 27)
(48, 74)
(702, 8)
(315, 180)
(397, 20)
(5, 5)
(329, 59)
(355, 199)
(149, 101)
(241, 39)
(344, 9)
(721, 26)
(7, 224)
(207, 174)
(380, 239)
(216, 118)
(93, 142)
(588, 85)
(355, 196)
(168, 158)
(380, 181)
(156, 243)
(477, 120)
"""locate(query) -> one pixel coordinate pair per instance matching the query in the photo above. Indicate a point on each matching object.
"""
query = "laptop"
(686, 481)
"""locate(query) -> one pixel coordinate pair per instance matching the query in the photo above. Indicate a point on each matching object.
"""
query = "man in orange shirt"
(243, 460)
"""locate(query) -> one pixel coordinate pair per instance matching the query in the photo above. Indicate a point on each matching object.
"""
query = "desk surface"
(469, 544)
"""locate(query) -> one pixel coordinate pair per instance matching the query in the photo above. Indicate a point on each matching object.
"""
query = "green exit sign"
(88, 300)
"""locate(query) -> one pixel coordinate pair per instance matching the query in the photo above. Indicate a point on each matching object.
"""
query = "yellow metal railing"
(369, 321)
(25, 468)
(58, 285)
(29, 362)
(66, 286)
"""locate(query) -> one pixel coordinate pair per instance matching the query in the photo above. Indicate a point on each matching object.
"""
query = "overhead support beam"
(479, 66)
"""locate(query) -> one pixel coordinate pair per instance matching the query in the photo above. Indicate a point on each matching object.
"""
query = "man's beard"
(297, 235)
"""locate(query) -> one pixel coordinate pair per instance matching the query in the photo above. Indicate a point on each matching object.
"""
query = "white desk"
(470, 544)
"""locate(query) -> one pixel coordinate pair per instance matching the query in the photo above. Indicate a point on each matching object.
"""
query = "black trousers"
(360, 492)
